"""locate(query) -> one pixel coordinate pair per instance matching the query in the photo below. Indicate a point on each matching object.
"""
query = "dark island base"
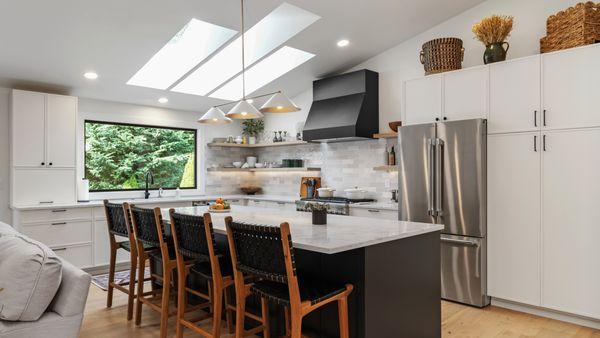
(396, 289)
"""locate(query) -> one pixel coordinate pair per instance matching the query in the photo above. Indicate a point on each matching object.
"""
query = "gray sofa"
(63, 315)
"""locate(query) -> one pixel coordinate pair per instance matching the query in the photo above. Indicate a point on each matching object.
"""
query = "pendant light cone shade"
(214, 116)
(244, 110)
(279, 103)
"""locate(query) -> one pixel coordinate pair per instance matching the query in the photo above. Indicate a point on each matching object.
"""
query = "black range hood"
(345, 108)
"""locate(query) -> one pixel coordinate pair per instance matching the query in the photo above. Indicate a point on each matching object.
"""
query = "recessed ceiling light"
(90, 75)
(250, 101)
(163, 100)
(227, 62)
(265, 71)
(343, 43)
(192, 44)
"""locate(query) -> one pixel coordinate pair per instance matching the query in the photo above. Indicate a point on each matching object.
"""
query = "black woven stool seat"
(205, 270)
(157, 255)
(127, 246)
(310, 290)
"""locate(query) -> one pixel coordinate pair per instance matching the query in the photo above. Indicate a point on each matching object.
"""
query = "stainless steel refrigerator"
(442, 179)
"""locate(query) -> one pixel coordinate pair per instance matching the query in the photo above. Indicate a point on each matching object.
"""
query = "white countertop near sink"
(342, 233)
(376, 205)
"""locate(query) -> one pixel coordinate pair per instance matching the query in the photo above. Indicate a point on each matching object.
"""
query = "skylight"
(190, 46)
(262, 73)
(269, 33)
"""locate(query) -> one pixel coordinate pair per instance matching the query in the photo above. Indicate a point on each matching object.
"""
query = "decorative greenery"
(119, 156)
(253, 127)
(315, 206)
(493, 29)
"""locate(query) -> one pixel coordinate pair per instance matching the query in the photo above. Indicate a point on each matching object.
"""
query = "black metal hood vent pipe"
(345, 108)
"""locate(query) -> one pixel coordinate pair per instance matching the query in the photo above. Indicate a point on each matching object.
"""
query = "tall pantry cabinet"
(43, 141)
(544, 181)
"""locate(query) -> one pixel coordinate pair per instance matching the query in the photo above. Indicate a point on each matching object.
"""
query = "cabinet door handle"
(535, 118)
(544, 117)
(544, 142)
(59, 223)
(46, 202)
(50, 163)
(535, 143)
(374, 210)
(281, 203)
(59, 249)
(59, 210)
(43, 163)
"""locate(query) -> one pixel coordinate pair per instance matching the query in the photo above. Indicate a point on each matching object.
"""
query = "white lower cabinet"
(514, 217)
(102, 245)
(59, 233)
(374, 213)
(79, 255)
(570, 231)
(39, 186)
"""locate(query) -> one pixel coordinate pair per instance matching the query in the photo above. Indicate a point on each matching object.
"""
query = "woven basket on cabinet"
(442, 55)
(576, 26)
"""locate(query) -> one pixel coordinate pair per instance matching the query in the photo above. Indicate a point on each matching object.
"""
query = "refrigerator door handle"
(439, 148)
(431, 164)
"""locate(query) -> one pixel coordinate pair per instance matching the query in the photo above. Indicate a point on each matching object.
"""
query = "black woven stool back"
(191, 235)
(115, 218)
(259, 251)
(145, 226)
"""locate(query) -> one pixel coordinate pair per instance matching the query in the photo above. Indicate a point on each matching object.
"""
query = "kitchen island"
(393, 265)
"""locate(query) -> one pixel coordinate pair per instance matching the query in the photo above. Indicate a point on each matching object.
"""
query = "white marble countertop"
(342, 233)
(172, 199)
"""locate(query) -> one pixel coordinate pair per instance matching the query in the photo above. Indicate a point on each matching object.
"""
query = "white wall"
(402, 62)
(5, 215)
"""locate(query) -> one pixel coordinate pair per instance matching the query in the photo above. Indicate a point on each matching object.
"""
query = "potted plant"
(253, 128)
(319, 212)
(493, 31)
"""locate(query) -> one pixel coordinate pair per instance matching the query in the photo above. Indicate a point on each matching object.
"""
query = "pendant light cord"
(243, 55)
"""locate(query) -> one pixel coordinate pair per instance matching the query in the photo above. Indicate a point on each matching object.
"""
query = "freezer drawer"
(463, 261)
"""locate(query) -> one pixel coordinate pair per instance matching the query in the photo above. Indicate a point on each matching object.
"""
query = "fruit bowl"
(250, 190)
(394, 125)
(220, 205)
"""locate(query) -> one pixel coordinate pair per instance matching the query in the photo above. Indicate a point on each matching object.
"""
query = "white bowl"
(325, 192)
(355, 193)
(259, 165)
(237, 164)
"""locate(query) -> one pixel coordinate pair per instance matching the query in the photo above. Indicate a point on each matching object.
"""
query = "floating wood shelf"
(264, 169)
(257, 145)
(386, 168)
(386, 135)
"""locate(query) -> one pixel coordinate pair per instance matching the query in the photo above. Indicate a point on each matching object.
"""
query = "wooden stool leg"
(288, 324)
(264, 307)
(240, 314)
(164, 314)
(140, 288)
(181, 304)
(217, 309)
(228, 311)
(111, 275)
(296, 325)
(343, 314)
(132, 281)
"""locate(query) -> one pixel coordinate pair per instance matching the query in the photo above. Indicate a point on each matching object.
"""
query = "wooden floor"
(457, 321)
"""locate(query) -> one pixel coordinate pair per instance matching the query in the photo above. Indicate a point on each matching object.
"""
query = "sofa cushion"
(6, 229)
(30, 274)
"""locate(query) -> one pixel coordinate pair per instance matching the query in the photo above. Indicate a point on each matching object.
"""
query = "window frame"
(195, 131)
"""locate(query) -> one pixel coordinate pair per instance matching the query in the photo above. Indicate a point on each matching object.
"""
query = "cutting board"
(303, 188)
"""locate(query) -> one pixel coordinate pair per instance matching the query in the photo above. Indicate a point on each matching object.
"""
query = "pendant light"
(243, 109)
(279, 103)
(214, 116)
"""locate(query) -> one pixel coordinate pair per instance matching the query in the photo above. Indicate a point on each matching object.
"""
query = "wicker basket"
(442, 55)
(573, 27)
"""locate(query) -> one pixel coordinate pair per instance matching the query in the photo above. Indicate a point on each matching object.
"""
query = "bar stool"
(149, 233)
(118, 222)
(193, 237)
(267, 252)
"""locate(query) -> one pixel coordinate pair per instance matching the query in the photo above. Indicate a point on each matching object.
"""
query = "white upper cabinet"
(423, 100)
(44, 130)
(571, 85)
(62, 126)
(515, 96)
(28, 125)
(570, 230)
(514, 217)
(43, 186)
(465, 94)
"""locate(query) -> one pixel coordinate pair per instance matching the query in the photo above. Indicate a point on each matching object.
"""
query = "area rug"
(121, 278)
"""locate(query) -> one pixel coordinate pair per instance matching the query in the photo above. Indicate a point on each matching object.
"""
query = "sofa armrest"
(73, 291)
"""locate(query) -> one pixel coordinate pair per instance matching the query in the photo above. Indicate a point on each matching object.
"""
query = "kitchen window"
(118, 156)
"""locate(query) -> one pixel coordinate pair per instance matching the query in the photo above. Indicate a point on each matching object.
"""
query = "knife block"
(304, 187)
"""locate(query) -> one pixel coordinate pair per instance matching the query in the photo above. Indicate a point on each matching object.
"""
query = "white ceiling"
(48, 45)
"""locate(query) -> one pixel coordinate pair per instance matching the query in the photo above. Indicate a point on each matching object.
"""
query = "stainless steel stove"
(337, 205)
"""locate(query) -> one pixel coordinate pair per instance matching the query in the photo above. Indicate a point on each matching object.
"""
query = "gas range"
(337, 205)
